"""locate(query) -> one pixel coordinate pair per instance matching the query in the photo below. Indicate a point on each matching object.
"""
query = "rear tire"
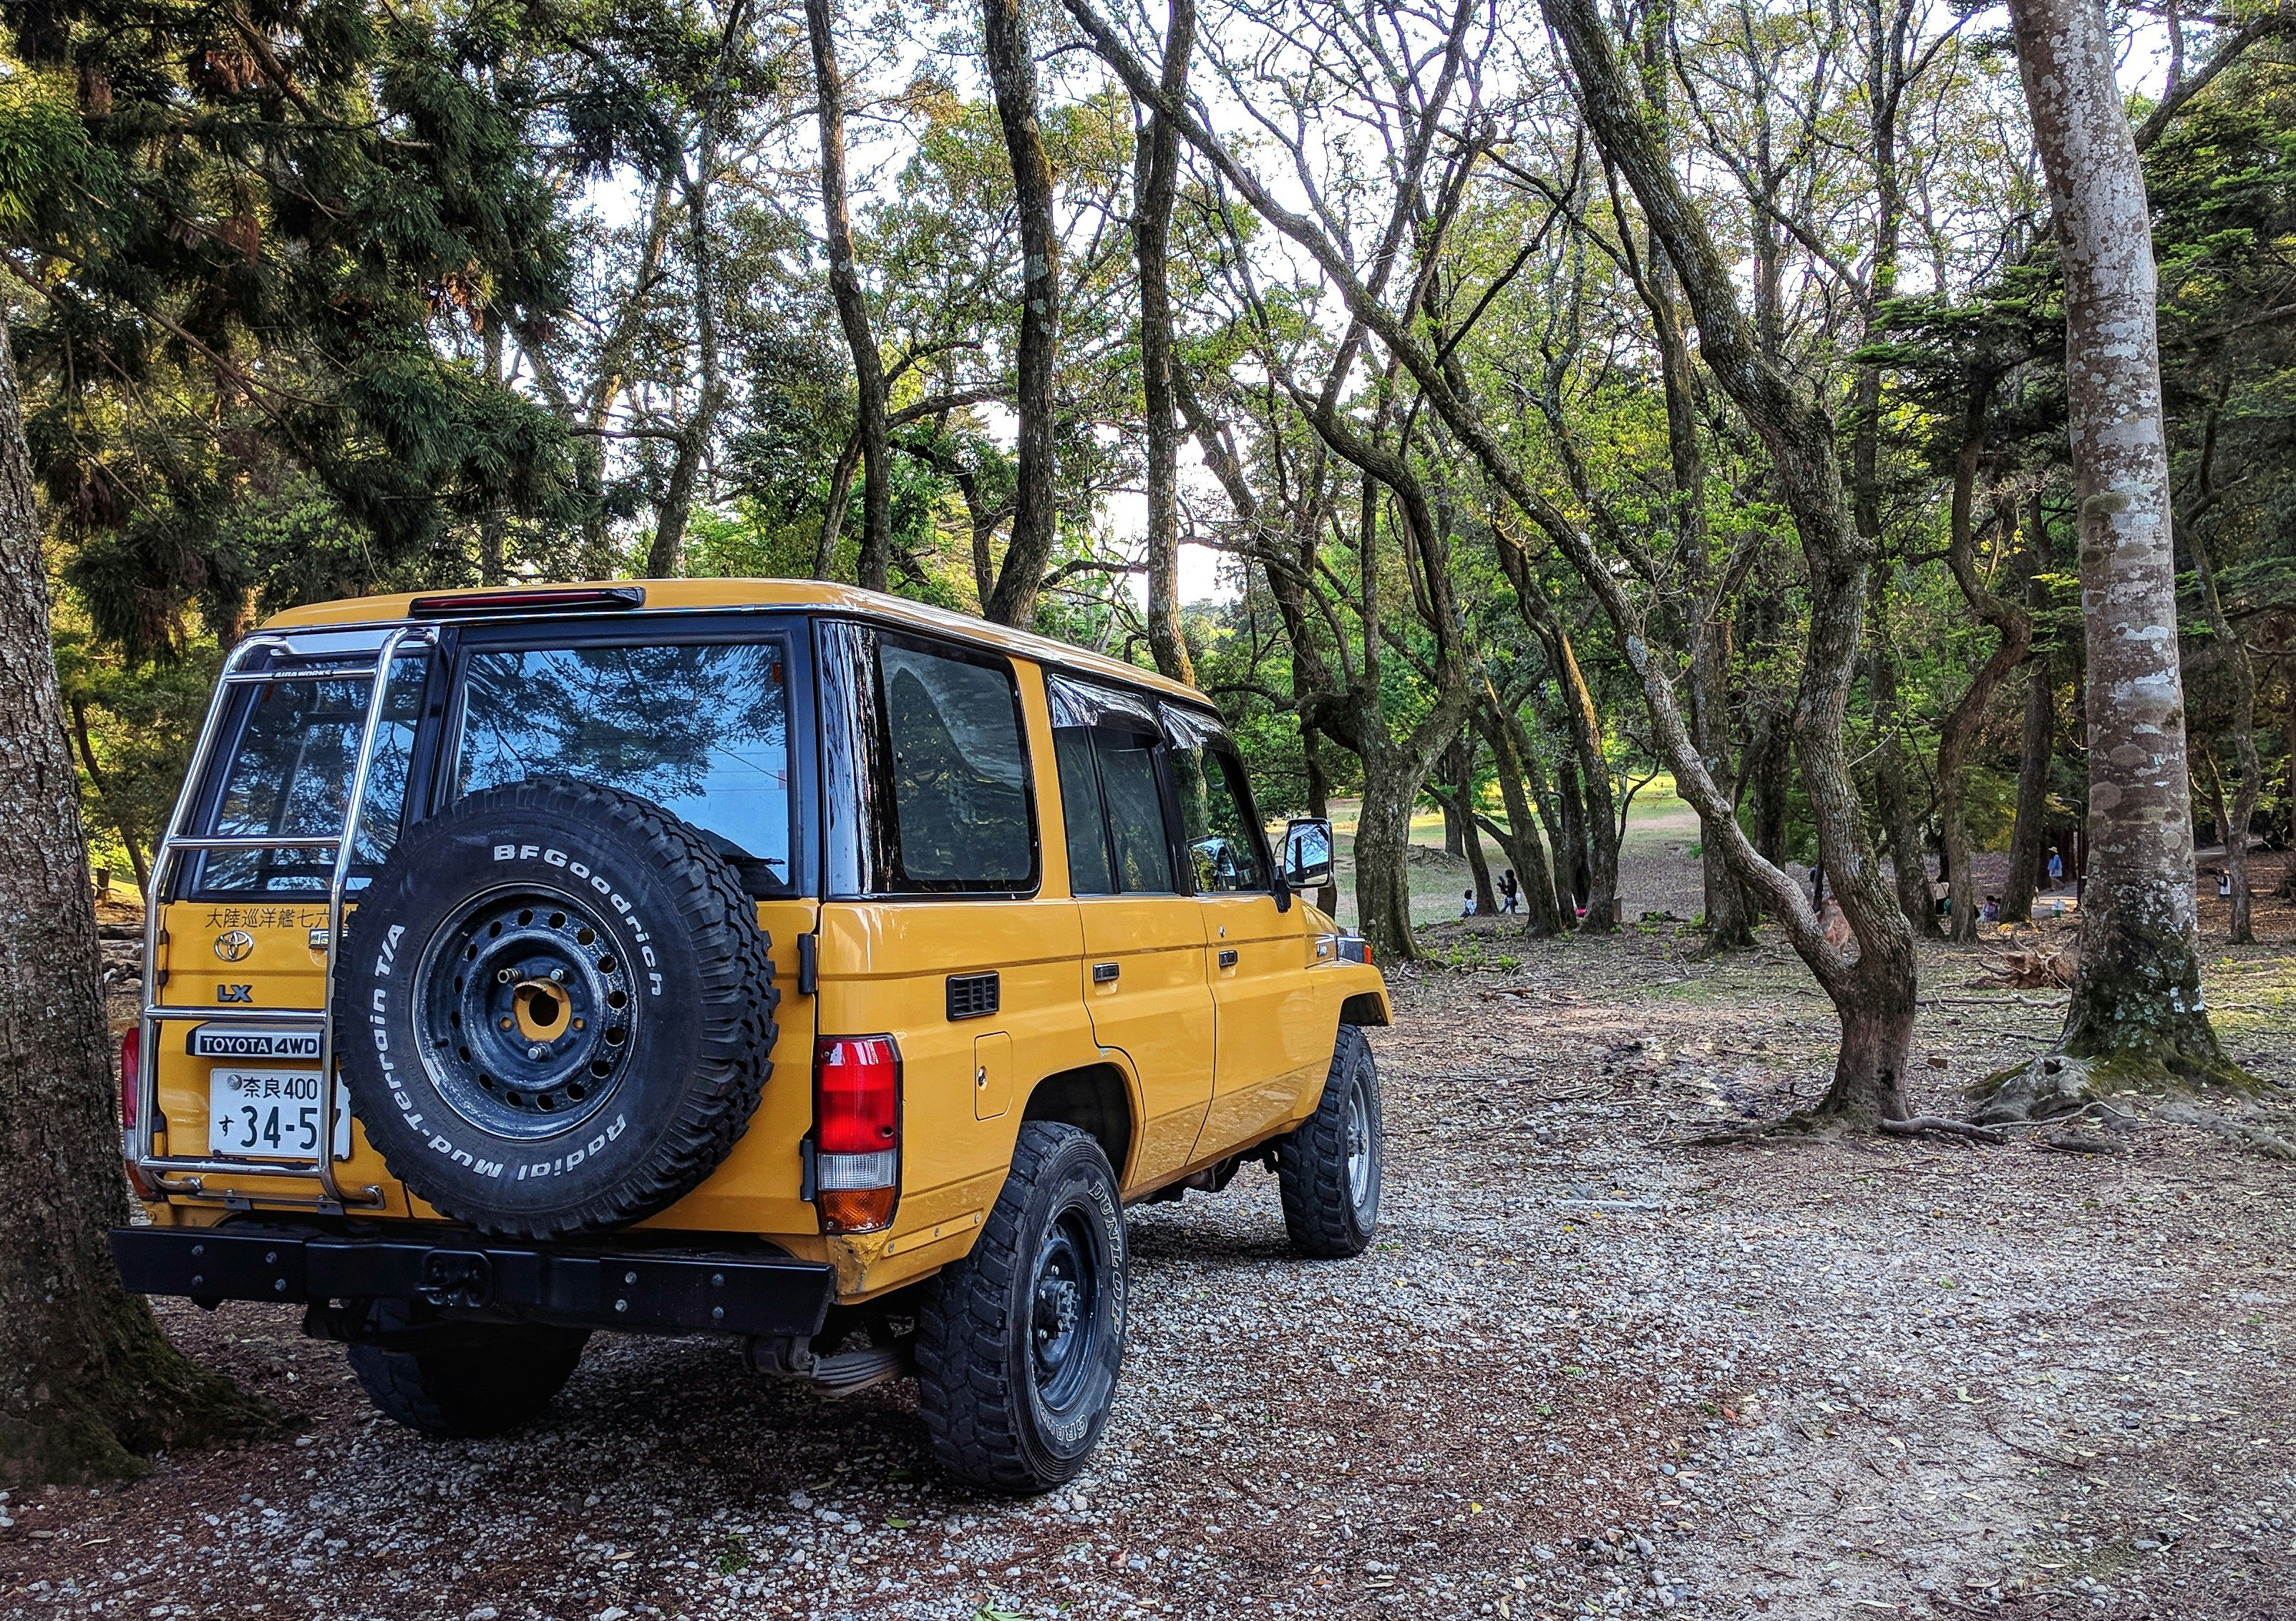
(1019, 1343)
(1330, 1166)
(483, 1380)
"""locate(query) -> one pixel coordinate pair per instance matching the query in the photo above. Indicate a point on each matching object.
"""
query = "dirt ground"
(1585, 1370)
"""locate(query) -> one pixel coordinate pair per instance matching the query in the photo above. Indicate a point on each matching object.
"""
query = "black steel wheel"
(1019, 1343)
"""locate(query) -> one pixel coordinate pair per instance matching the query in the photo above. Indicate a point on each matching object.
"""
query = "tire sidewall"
(1079, 1179)
(1359, 1072)
(396, 1096)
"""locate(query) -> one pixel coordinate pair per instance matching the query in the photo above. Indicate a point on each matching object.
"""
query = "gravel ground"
(1585, 1369)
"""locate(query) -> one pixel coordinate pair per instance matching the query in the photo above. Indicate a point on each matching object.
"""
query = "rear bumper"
(683, 1291)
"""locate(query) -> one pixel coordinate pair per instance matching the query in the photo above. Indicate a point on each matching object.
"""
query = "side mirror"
(1308, 854)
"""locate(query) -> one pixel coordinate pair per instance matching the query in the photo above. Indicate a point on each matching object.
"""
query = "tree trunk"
(1525, 852)
(852, 315)
(1013, 75)
(1152, 233)
(1383, 871)
(1893, 782)
(2029, 841)
(1572, 863)
(2136, 999)
(1597, 829)
(2234, 652)
(2015, 626)
(1875, 993)
(492, 569)
(88, 1382)
(666, 556)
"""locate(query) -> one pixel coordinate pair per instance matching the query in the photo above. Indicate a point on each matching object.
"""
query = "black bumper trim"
(683, 1291)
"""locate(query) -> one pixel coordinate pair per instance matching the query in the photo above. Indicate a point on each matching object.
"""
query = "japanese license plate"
(270, 1114)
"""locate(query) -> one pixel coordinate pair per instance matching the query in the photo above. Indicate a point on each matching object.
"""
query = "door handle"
(1227, 958)
(1104, 973)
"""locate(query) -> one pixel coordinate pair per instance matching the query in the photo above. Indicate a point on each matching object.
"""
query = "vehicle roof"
(662, 596)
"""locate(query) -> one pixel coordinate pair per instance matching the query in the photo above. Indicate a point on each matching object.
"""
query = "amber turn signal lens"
(856, 1209)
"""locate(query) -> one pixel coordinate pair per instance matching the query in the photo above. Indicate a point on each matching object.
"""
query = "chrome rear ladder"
(184, 1174)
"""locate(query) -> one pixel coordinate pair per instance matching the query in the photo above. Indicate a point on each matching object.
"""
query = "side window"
(1128, 771)
(1090, 872)
(1223, 833)
(958, 769)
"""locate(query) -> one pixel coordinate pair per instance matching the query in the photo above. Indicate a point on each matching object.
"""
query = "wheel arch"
(1096, 1099)
(1367, 1008)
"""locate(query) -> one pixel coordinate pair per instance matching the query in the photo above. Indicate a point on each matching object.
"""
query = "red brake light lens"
(859, 1094)
(856, 1132)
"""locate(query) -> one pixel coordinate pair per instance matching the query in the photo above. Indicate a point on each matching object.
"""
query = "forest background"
(328, 296)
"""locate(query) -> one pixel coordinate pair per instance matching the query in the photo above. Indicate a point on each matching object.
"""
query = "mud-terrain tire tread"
(433, 1392)
(1312, 1162)
(972, 1408)
(719, 917)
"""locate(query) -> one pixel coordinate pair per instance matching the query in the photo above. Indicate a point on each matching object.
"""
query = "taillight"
(131, 1064)
(856, 1132)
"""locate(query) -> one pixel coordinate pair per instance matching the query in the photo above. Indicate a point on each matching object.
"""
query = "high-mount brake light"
(472, 604)
(856, 1132)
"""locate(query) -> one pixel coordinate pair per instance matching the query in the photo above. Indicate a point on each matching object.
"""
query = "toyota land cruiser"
(763, 959)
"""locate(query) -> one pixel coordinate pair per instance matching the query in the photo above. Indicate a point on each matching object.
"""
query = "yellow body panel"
(1214, 1056)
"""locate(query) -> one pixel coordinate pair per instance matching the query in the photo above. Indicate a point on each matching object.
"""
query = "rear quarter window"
(954, 759)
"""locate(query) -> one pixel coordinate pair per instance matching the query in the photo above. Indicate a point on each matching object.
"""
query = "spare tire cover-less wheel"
(555, 1008)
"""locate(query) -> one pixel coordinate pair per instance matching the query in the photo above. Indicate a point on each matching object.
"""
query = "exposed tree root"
(1924, 1125)
(1816, 1122)
(2240, 1133)
(2056, 1083)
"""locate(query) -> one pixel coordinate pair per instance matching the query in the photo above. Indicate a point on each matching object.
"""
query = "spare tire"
(555, 1009)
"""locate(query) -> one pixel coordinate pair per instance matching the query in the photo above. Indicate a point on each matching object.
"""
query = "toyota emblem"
(233, 947)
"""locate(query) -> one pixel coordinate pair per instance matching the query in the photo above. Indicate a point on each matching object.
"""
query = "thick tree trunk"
(2136, 999)
(1382, 872)
(1800, 437)
(1573, 866)
(87, 1382)
(1013, 75)
(853, 315)
(1159, 164)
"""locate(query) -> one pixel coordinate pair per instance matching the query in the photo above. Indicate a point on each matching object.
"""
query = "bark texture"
(87, 1382)
(1013, 77)
(869, 428)
(1152, 233)
(2136, 999)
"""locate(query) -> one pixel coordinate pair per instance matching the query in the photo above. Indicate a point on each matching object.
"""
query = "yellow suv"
(765, 959)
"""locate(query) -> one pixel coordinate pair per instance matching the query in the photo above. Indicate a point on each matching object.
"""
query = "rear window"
(701, 730)
(287, 754)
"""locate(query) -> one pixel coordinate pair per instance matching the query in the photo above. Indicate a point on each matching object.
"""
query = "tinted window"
(958, 771)
(1135, 810)
(1090, 870)
(1216, 819)
(287, 773)
(701, 730)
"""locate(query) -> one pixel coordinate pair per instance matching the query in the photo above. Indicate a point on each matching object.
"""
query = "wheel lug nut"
(558, 973)
(534, 1052)
(501, 976)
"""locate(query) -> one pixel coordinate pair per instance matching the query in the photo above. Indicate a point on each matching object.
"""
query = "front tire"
(1019, 1343)
(1330, 1166)
(479, 1382)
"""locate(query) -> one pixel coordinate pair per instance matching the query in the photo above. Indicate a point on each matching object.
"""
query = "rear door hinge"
(808, 963)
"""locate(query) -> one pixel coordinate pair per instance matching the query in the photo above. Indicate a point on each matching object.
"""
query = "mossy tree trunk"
(2136, 1002)
(88, 1384)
